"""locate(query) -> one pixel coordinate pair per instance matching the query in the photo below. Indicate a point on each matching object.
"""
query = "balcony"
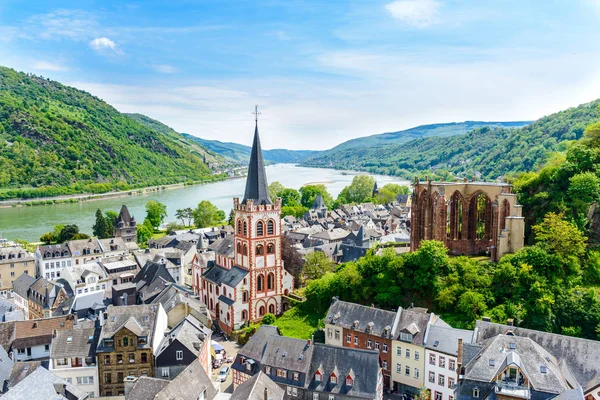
(510, 389)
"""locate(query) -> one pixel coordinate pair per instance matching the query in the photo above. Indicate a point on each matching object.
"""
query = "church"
(247, 279)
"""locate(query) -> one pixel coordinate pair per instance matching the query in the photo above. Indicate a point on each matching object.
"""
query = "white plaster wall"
(36, 352)
(161, 325)
(446, 371)
(73, 373)
(330, 338)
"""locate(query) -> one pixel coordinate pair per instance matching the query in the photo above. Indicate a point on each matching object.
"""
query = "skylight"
(69, 339)
(492, 362)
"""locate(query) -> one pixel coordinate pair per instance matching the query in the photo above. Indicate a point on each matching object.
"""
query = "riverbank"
(81, 197)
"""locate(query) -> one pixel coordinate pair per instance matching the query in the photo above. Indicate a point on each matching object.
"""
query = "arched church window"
(270, 227)
(270, 248)
(245, 229)
(270, 281)
(260, 250)
(260, 283)
(239, 227)
(260, 228)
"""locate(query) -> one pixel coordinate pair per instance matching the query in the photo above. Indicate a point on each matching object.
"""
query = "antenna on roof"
(256, 113)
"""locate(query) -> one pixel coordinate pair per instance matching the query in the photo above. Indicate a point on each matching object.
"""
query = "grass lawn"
(298, 323)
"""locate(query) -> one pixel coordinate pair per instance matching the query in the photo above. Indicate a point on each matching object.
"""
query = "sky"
(321, 72)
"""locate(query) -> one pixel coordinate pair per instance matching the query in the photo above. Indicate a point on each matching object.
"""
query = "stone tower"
(125, 226)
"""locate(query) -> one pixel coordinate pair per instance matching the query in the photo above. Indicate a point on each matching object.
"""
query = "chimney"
(510, 322)
(128, 384)
(309, 342)
(459, 357)
(266, 396)
(486, 319)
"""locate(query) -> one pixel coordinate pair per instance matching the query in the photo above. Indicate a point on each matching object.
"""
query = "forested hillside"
(484, 153)
(241, 153)
(56, 139)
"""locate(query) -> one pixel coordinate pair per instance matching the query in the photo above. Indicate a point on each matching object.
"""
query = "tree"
(180, 215)
(188, 214)
(316, 264)
(585, 187)
(100, 228)
(48, 238)
(289, 197)
(428, 262)
(231, 219)
(67, 233)
(144, 233)
(156, 213)
(296, 211)
(388, 192)
(268, 319)
(110, 217)
(274, 189)
(560, 236)
(358, 191)
(292, 260)
(207, 214)
(308, 193)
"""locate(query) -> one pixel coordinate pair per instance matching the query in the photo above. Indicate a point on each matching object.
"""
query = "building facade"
(470, 218)
(14, 261)
(125, 226)
(249, 279)
(51, 259)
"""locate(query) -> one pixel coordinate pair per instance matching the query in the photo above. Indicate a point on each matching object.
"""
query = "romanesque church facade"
(248, 279)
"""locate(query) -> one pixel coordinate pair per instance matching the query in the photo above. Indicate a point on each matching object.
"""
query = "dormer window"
(333, 379)
(370, 327)
(349, 381)
(476, 393)
(318, 377)
(407, 337)
(355, 324)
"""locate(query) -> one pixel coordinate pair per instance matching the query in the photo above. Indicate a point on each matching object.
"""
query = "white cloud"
(63, 23)
(49, 66)
(419, 13)
(165, 68)
(102, 43)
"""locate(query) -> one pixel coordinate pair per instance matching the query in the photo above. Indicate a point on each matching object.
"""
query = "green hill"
(56, 140)
(485, 153)
(241, 153)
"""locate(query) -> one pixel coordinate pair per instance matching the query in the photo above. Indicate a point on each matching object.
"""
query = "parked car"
(222, 377)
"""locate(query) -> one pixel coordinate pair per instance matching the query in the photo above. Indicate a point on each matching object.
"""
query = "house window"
(438, 396)
(348, 338)
(282, 373)
(450, 383)
(331, 397)
(315, 396)
(416, 355)
(179, 355)
(107, 378)
(119, 358)
(119, 377)
(376, 345)
(432, 359)
(271, 281)
(441, 380)
(318, 376)
(244, 296)
(260, 226)
(356, 340)
(294, 391)
(407, 354)
(337, 334)
(384, 363)
(106, 360)
(46, 347)
(268, 370)
(125, 339)
(398, 350)
(270, 227)
(260, 250)
(431, 377)
(131, 358)
(59, 361)
(442, 362)
(407, 370)
(270, 248)
(259, 283)
(165, 372)
(398, 368)
(369, 344)
(144, 358)
(451, 365)
(296, 376)
(85, 380)
(476, 393)
(333, 379)
(385, 348)
(348, 381)
(416, 374)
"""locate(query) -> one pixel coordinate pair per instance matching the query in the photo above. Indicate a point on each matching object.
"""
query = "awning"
(217, 346)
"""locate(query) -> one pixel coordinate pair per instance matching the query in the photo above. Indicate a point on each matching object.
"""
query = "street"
(231, 348)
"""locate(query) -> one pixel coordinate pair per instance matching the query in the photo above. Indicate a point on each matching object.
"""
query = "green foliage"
(308, 193)
(48, 238)
(268, 319)
(316, 264)
(144, 232)
(274, 189)
(100, 228)
(300, 322)
(57, 140)
(69, 232)
(560, 237)
(156, 213)
(358, 191)
(295, 210)
(207, 214)
(110, 217)
(389, 191)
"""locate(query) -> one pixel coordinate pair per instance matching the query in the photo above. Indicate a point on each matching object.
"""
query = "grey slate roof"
(42, 384)
(411, 319)
(17, 253)
(7, 334)
(77, 246)
(257, 188)
(75, 343)
(22, 370)
(124, 216)
(527, 355)
(189, 332)
(580, 355)
(140, 318)
(361, 365)
(230, 277)
(22, 284)
(288, 353)
(445, 339)
(55, 251)
(188, 385)
(174, 294)
(146, 388)
(344, 314)
(254, 389)
(6, 366)
(223, 246)
(319, 202)
(256, 344)
(226, 300)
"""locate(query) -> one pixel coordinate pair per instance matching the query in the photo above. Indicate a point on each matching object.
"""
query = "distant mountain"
(241, 153)
(485, 152)
(56, 140)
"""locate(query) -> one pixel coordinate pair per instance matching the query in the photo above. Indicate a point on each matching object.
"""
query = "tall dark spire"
(257, 188)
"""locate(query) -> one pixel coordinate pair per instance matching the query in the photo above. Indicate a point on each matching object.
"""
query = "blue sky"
(321, 71)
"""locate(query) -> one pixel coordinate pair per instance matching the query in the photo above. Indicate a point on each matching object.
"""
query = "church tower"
(257, 239)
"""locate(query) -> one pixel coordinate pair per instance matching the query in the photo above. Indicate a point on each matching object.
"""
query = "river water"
(29, 223)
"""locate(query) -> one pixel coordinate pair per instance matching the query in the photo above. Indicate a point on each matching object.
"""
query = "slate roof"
(151, 280)
(75, 343)
(39, 331)
(113, 244)
(527, 355)
(6, 366)
(344, 314)
(42, 384)
(94, 301)
(410, 319)
(580, 355)
(331, 234)
(20, 255)
(256, 344)
(254, 389)
(22, 284)
(22, 369)
(189, 332)
(64, 308)
(361, 365)
(43, 287)
(140, 318)
(77, 246)
(445, 339)
(188, 385)
(223, 246)
(257, 188)
(146, 388)
(319, 202)
(174, 294)
(288, 353)
(226, 300)
(7, 334)
(55, 250)
(124, 216)
(230, 277)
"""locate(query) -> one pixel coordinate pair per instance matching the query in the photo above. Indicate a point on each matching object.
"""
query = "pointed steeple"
(319, 202)
(257, 188)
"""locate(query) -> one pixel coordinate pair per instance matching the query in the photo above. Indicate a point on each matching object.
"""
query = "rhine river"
(29, 223)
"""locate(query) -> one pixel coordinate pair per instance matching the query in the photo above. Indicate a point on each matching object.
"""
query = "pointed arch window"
(270, 281)
(272, 308)
(261, 311)
(260, 250)
(244, 315)
(260, 228)
(270, 248)
(239, 248)
(245, 229)
(245, 249)
(271, 227)
(260, 284)
(239, 227)
(245, 296)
